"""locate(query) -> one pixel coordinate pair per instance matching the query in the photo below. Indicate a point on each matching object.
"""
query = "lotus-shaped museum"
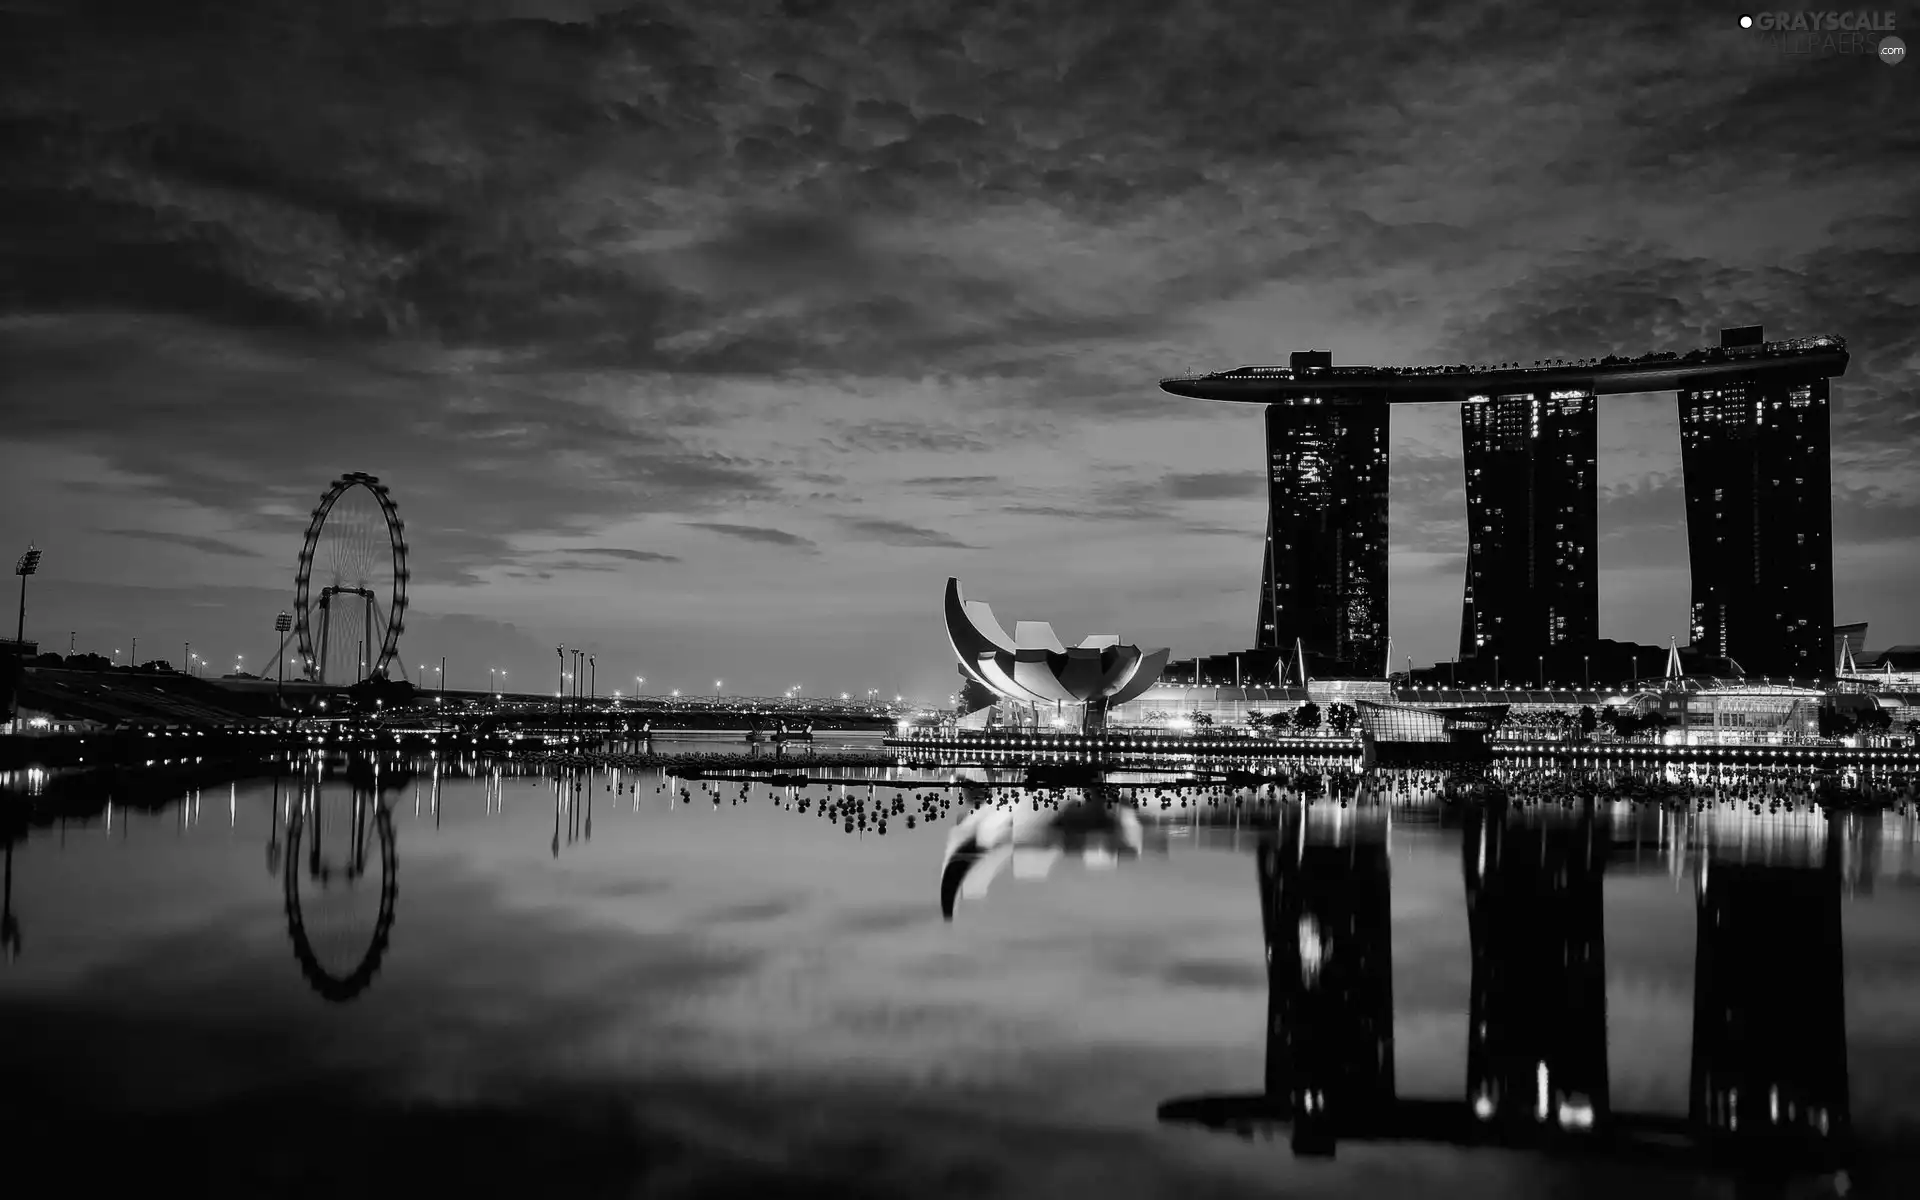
(1033, 667)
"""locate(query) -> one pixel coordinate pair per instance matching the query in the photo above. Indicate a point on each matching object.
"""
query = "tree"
(975, 696)
(1202, 720)
(1307, 716)
(380, 691)
(1280, 722)
(1589, 721)
(11, 670)
(1340, 718)
(1837, 723)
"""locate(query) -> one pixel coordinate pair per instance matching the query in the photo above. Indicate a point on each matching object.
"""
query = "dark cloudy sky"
(716, 335)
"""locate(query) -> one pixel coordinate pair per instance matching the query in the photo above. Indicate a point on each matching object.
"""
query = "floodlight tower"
(281, 625)
(28, 564)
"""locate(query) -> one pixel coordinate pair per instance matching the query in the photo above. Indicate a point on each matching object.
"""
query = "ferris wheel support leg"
(381, 629)
(326, 627)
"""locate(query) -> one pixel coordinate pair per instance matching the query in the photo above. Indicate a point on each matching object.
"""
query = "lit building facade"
(1755, 446)
(1323, 583)
(1736, 714)
(1533, 581)
(1756, 453)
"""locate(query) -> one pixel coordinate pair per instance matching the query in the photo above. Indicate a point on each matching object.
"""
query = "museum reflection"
(1768, 1074)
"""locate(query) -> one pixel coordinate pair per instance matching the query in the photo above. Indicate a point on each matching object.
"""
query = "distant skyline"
(714, 337)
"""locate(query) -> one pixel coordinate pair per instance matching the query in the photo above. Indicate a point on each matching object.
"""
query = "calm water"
(593, 986)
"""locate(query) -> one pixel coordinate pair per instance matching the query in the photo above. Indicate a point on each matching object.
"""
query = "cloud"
(624, 555)
(1215, 485)
(899, 533)
(190, 541)
(896, 436)
(753, 533)
(943, 483)
(558, 270)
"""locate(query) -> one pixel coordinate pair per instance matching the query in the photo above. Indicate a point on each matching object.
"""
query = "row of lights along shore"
(1350, 746)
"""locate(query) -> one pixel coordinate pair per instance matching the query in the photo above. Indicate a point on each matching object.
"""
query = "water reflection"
(572, 804)
(341, 878)
(1769, 1072)
(819, 925)
(9, 924)
(989, 839)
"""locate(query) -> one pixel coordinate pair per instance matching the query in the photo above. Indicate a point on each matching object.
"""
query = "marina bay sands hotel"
(1754, 443)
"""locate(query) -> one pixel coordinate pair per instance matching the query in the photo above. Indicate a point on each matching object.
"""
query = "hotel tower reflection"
(1769, 1077)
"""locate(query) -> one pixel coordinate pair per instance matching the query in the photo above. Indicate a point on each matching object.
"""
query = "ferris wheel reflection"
(340, 870)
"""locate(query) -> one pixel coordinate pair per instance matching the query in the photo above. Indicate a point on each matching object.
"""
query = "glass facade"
(1416, 723)
(1324, 580)
(1760, 523)
(1738, 716)
(1532, 525)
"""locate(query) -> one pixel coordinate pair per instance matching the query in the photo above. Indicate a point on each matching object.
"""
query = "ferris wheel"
(350, 592)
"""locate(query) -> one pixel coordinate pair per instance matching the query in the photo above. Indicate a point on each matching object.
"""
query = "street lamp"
(28, 564)
(637, 681)
(717, 685)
